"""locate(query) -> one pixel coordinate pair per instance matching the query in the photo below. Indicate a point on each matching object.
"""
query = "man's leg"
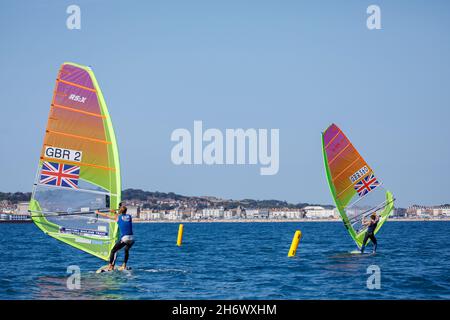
(374, 241)
(127, 249)
(366, 237)
(112, 257)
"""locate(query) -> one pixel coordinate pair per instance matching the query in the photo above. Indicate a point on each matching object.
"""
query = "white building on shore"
(286, 214)
(318, 212)
(174, 214)
(213, 213)
(197, 215)
(133, 210)
(417, 211)
(257, 213)
(22, 208)
(231, 214)
(151, 215)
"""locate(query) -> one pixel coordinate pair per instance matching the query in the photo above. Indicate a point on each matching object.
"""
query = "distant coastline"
(279, 220)
(182, 221)
(155, 207)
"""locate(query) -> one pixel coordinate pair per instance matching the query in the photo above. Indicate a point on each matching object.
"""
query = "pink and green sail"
(78, 170)
(356, 190)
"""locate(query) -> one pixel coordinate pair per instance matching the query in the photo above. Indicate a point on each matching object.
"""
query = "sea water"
(234, 261)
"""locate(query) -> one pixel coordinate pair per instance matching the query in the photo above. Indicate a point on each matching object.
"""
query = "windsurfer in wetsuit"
(370, 233)
(126, 240)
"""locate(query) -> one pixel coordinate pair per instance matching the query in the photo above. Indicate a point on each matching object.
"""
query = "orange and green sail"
(78, 171)
(356, 190)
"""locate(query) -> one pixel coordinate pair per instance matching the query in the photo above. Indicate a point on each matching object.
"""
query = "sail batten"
(78, 170)
(82, 164)
(79, 111)
(356, 190)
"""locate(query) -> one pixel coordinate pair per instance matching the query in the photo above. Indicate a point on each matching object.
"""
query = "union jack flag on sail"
(367, 184)
(59, 174)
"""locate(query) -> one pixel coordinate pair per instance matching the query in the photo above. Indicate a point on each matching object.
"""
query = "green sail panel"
(78, 170)
(356, 190)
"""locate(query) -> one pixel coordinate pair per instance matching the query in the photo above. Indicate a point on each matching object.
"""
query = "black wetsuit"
(124, 222)
(119, 245)
(370, 234)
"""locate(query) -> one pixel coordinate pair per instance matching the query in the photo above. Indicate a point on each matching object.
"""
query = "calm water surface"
(234, 261)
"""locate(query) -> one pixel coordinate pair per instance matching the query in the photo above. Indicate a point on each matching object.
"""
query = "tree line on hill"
(15, 197)
(141, 195)
(137, 194)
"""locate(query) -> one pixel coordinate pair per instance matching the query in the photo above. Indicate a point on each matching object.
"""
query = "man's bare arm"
(113, 217)
(365, 222)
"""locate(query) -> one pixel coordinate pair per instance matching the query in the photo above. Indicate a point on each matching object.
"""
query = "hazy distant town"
(148, 206)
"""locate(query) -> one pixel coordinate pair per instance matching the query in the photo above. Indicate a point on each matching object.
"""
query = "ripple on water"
(235, 261)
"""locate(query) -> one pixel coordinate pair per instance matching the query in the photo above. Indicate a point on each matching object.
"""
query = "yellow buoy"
(294, 244)
(180, 235)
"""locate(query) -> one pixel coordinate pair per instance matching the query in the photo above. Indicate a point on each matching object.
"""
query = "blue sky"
(292, 65)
